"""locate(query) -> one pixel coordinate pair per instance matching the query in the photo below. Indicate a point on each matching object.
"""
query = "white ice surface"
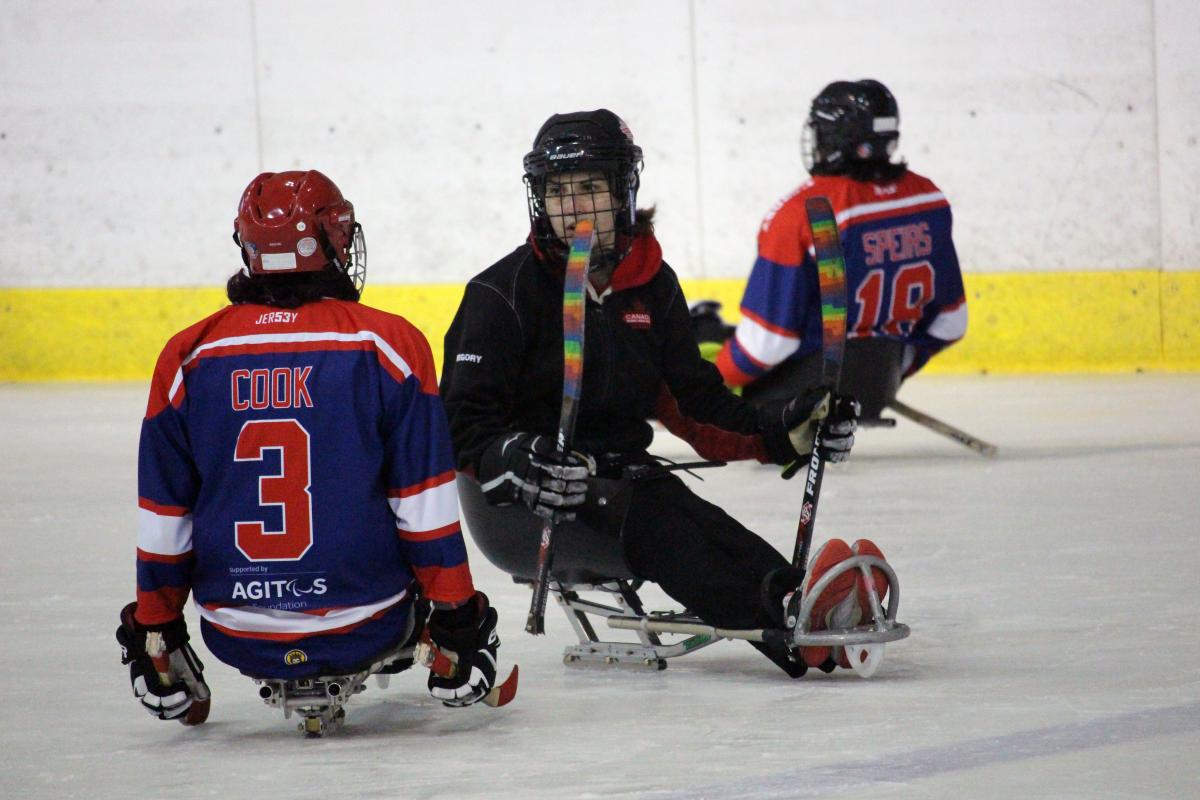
(1051, 593)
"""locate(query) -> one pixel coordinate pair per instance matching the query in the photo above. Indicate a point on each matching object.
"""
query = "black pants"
(700, 556)
(706, 560)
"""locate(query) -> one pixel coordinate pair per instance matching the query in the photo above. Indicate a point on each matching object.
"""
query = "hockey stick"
(831, 272)
(574, 308)
(936, 425)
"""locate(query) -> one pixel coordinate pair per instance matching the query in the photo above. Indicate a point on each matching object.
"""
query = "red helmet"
(292, 222)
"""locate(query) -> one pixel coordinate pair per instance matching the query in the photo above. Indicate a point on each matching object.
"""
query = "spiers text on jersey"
(900, 243)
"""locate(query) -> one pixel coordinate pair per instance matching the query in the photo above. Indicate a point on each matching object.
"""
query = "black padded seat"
(584, 553)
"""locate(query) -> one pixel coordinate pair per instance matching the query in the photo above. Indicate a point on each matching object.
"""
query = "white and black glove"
(467, 636)
(789, 428)
(166, 675)
(527, 468)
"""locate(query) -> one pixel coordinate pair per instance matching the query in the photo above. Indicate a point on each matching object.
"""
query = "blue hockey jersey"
(903, 280)
(296, 476)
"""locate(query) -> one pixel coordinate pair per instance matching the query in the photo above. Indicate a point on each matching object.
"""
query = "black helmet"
(585, 141)
(850, 122)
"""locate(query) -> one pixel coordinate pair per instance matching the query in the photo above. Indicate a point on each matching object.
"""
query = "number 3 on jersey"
(912, 289)
(289, 489)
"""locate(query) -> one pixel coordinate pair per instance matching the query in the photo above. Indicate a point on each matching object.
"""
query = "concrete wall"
(1065, 133)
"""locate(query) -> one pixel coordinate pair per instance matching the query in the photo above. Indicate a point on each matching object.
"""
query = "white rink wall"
(1065, 133)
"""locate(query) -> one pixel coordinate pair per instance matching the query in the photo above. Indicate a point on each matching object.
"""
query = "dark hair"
(644, 221)
(290, 291)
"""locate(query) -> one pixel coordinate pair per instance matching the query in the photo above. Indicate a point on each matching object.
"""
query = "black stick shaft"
(535, 623)
(808, 505)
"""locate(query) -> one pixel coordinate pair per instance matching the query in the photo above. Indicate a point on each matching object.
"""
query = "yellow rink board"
(1019, 323)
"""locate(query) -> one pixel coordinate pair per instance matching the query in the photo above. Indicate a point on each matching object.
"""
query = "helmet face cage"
(808, 145)
(588, 199)
(849, 122)
(356, 259)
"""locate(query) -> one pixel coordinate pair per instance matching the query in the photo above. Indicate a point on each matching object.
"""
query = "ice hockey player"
(903, 282)
(296, 475)
(503, 382)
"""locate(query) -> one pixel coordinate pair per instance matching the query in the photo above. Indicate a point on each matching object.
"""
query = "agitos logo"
(265, 590)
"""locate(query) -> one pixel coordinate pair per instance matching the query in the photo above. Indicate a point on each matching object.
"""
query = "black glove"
(527, 468)
(788, 427)
(467, 636)
(707, 325)
(166, 675)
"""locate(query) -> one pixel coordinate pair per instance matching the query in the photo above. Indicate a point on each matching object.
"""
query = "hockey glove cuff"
(788, 428)
(527, 468)
(164, 671)
(838, 427)
(467, 636)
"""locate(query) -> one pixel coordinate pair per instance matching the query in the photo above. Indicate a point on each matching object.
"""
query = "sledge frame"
(650, 651)
(320, 701)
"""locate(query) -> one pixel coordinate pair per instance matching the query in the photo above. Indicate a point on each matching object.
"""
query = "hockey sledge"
(596, 589)
(320, 702)
(863, 644)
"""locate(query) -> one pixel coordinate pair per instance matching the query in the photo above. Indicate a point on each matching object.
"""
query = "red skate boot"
(833, 603)
(863, 612)
(865, 547)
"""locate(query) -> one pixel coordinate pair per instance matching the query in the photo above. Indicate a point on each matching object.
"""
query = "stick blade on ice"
(502, 694)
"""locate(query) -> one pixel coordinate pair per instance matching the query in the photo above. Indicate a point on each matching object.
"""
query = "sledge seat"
(588, 560)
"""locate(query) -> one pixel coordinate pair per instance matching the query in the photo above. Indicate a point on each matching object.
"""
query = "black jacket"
(503, 368)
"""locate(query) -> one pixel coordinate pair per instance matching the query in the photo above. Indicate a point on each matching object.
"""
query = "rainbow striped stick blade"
(574, 314)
